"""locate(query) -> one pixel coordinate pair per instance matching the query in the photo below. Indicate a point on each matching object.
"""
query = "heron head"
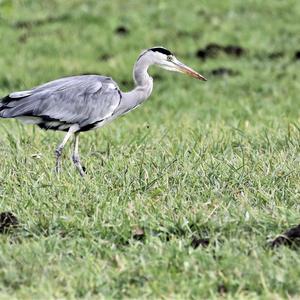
(167, 60)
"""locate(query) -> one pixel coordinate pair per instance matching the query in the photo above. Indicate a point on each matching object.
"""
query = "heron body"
(81, 103)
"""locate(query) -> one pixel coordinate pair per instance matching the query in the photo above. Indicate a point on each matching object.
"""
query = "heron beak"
(182, 68)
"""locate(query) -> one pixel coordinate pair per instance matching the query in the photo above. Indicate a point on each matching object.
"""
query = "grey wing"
(81, 100)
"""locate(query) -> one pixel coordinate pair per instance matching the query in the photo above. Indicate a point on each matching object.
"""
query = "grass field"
(217, 160)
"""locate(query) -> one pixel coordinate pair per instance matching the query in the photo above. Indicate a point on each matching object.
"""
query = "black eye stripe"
(161, 50)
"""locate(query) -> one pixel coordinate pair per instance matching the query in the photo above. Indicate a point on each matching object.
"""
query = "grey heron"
(80, 103)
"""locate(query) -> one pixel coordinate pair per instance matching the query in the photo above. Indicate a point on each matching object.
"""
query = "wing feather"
(79, 99)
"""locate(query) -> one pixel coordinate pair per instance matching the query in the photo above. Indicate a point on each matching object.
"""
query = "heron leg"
(75, 155)
(60, 147)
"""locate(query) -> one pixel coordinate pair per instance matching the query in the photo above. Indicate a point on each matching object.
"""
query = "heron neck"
(143, 86)
(140, 72)
(143, 82)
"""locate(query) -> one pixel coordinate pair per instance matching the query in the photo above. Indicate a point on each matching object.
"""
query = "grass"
(217, 160)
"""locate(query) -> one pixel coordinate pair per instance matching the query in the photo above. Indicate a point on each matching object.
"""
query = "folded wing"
(81, 100)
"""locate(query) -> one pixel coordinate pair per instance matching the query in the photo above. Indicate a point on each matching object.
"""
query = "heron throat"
(143, 87)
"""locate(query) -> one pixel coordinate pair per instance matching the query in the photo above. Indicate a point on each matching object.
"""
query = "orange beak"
(188, 71)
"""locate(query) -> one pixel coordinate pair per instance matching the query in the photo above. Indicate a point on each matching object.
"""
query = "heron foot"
(58, 152)
(77, 163)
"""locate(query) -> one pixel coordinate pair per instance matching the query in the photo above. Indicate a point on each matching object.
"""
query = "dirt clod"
(223, 72)
(212, 50)
(105, 57)
(289, 238)
(121, 30)
(201, 54)
(222, 289)
(138, 234)
(40, 22)
(234, 50)
(275, 55)
(7, 221)
(196, 242)
(297, 55)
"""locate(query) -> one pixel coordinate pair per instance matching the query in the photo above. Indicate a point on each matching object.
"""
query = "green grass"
(217, 160)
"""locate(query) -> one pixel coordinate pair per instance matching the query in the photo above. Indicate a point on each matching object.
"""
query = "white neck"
(143, 85)
(140, 74)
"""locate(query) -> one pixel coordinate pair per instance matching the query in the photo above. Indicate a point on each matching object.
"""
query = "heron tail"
(4, 106)
(14, 105)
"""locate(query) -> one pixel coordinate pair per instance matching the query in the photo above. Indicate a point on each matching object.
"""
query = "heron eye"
(169, 57)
